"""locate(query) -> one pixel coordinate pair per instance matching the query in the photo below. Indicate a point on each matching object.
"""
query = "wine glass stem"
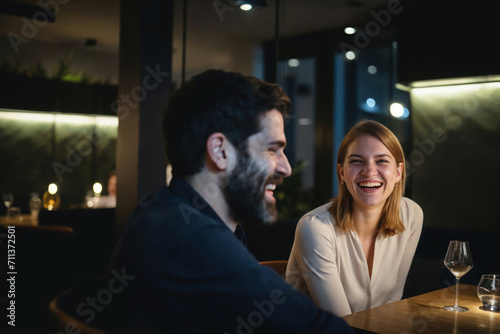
(456, 293)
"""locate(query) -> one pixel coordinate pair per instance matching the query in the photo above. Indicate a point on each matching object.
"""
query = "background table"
(425, 314)
(26, 219)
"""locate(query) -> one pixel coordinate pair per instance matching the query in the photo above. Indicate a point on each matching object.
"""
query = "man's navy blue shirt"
(192, 275)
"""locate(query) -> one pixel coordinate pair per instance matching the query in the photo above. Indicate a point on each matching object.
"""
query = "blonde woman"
(354, 253)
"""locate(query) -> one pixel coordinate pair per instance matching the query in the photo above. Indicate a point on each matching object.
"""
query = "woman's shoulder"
(321, 213)
(409, 204)
(319, 217)
(316, 228)
(411, 212)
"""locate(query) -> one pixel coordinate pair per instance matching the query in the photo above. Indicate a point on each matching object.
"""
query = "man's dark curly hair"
(215, 101)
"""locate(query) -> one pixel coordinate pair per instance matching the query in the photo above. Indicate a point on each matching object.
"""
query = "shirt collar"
(240, 234)
(182, 188)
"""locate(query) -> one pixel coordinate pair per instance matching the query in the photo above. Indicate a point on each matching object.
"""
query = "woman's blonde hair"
(341, 209)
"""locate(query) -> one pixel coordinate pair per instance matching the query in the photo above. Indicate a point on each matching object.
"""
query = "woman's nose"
(369, 169)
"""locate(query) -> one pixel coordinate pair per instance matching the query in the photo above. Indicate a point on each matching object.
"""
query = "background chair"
(44, 265)
(60, 318)
(279, 266)
(104, 315)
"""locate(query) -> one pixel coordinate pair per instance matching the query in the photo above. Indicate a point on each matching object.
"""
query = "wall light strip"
(454, 81)
(25, 116)
(74, 119)
(106, 121)
(51, 117)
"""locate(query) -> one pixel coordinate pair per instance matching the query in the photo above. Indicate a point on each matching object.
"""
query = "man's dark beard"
(244, 193)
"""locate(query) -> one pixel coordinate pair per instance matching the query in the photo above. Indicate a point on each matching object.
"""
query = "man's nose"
(283, 167)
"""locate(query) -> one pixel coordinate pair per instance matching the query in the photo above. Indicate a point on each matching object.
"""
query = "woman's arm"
(414, 216)
(315, 252)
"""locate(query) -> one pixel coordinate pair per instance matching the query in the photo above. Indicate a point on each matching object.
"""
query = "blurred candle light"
(51, 199)
(52, 188)
(97, 187)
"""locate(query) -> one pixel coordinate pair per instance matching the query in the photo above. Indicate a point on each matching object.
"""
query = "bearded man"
(184, 250)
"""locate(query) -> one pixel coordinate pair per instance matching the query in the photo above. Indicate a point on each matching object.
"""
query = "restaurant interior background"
(61, 91)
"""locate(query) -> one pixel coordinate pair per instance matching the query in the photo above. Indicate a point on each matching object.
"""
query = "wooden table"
(26, 219)
(425, 314)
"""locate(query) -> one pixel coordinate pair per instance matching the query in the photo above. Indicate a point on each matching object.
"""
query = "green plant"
(30, 71)
(62, 71)
(293, 199)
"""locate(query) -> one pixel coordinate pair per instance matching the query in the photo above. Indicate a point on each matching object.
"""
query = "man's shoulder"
(163, 229)
(167, 211)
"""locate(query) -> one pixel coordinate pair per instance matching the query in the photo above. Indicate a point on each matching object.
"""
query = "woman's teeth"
(370, 184)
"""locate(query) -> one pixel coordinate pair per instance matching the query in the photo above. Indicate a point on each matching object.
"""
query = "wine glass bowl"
(458, 260)
(8, 200)
(488, 291)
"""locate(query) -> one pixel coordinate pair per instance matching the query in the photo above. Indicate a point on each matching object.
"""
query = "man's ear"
(217, 150)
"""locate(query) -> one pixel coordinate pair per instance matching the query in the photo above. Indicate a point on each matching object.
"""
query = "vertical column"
(146, 28)
(323, 141)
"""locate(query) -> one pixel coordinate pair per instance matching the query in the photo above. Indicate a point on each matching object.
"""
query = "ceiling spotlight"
(371, 102)
(397, 110)
(294, 62)
(372, 69)
(349, 55)
(350, 30)
(247, 5)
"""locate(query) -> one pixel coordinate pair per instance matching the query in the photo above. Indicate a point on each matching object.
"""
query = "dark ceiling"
(78, 20)
(436, 38)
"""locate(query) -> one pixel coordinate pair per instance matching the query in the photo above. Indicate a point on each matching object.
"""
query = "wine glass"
(8, 200)
(488, 291)
(458, 260)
